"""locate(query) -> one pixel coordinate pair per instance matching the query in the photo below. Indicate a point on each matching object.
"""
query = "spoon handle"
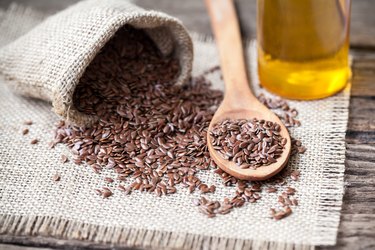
(228, 39)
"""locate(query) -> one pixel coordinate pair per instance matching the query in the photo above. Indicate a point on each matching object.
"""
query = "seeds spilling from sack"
(150, 132)
(149, 129)
(248, 143)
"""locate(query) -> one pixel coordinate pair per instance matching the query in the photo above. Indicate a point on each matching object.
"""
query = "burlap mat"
(32, 204)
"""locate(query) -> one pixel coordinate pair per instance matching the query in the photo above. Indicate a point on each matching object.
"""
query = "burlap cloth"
(48, 61)
(33, 205)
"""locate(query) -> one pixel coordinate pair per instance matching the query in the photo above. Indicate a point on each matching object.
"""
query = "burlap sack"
(48, 62)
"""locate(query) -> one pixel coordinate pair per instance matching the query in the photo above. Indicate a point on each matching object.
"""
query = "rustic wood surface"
(357, 227)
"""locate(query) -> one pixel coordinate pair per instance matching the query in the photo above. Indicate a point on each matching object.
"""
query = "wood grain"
(357, 227)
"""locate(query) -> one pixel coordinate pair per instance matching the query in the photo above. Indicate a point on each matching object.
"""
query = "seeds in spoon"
(248, 143)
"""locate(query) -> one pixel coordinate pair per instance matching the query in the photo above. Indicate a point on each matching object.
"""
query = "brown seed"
(51, 144)
(212, 188)
(106, 193)
(294, 202)
(296, 172)
(56, 177)
(294, 177)
(25, 131)
(301, 149)
(290, 191)
(288, 211)
(108, 179)
(271, 190)
(34, 141)
(272, 211)
(191, 189)
(279, 215)
(28, 122)
(63, 158)
(287, 201)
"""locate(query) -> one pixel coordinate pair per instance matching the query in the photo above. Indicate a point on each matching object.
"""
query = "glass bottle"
(303, 47)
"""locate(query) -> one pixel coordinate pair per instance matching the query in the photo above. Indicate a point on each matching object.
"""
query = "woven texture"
(32, 204)
(48, 61)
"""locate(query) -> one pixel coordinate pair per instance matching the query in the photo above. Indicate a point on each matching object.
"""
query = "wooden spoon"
(239, 102)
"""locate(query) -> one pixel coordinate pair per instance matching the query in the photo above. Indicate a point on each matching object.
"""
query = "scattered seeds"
(290, 191)
(280, 106)
(297, 147)
(294, 202)
(153, 132)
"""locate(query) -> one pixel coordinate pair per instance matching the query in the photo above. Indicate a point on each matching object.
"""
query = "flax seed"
(63, 158)
(28, 122)
(108, 179)
(271, 190)
(56, 177)
(106, 192)
(34, 141)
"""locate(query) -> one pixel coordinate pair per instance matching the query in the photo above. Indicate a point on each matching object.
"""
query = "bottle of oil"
(303, 47)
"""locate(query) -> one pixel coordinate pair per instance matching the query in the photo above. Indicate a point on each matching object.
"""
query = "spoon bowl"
(239, 102)
(262, 172)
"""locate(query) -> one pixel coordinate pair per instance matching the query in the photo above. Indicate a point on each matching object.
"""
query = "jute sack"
(48, 61)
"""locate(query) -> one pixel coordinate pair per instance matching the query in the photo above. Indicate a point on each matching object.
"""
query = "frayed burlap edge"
(47, 227)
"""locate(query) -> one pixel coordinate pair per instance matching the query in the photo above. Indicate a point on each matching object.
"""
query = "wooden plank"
(357, 226)
(363, 23)
(194, 16)
(363, 73)
(17, 247)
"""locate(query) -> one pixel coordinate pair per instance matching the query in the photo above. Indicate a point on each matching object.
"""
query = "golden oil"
(303, 47)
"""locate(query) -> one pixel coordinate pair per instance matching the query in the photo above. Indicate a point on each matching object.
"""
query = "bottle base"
(307, 85)
(302, 97)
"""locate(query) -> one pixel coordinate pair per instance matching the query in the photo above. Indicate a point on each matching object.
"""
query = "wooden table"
(357, 227)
